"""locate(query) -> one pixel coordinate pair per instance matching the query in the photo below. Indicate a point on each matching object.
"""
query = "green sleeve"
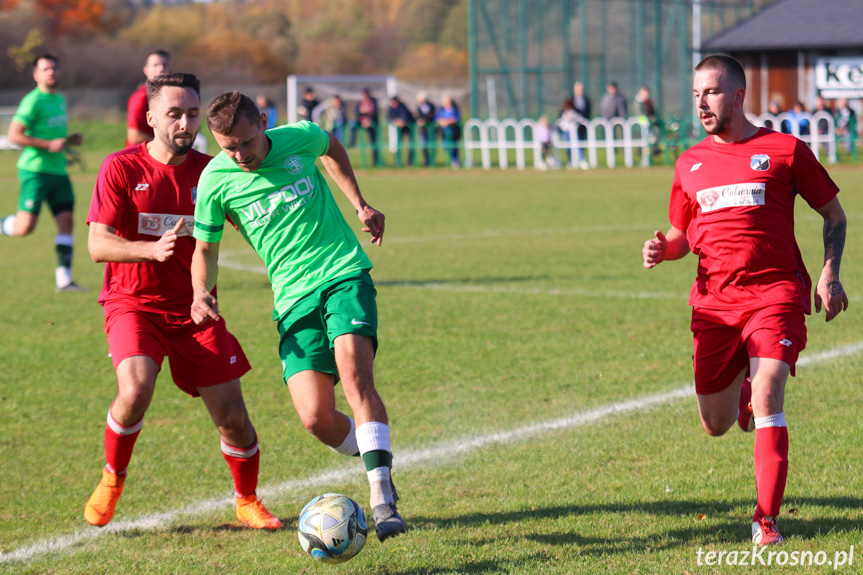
(24, 113)
(209, 211)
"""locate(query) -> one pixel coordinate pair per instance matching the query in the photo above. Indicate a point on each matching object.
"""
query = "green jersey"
(44, 116)
(285, 211)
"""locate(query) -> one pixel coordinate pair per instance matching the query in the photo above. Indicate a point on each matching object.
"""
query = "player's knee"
(317, 422)
(134, 401)
(716, 426)
(25, 229)
(235, 423)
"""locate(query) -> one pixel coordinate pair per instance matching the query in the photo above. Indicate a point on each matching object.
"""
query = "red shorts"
(199, 355)
(726, 339)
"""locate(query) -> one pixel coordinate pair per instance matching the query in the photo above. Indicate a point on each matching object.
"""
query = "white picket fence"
(627, 134)
(818, 139)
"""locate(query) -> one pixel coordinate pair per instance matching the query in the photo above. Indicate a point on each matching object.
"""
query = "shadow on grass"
(459, 281)
(723, 524)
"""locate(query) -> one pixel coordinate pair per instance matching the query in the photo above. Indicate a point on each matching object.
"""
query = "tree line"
(102, 43)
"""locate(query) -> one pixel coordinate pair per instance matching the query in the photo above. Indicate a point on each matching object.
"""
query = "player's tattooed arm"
(829, 291)
(834, 242)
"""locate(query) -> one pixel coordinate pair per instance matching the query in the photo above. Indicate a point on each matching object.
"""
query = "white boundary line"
(226, 260)
(405, 459)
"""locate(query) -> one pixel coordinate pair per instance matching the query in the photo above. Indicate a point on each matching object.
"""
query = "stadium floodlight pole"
(491, 92)
(696, 47)
(292, 99)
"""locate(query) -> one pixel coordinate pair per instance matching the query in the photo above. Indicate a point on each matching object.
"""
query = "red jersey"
(137, 113)
(142, 199)
(736, 204)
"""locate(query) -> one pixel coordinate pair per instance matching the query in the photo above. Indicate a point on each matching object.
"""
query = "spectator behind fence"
(335, 118)
(307, 104)
(613, 104)
(449, 120)
(569, 126)
(138, 130)
(774, 109)
(399, 116)
(646, 112)
(268, 107)
(425, 126)
(367, 115)
(823, 124)
(547, 157)
(800, 117)
(846, 124)
(581, 103)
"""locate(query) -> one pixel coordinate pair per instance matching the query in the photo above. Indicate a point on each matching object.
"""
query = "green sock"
(377, 458)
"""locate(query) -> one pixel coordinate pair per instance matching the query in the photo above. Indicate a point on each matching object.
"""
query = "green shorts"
(37, 187)
(307, 330)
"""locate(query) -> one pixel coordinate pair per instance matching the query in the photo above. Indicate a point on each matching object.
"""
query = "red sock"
(771, 469)
(119, 443)
(244, 467)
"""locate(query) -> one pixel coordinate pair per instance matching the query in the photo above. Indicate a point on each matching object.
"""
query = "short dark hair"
(227, 109)
(163, 53)
(174, 79)
(45, 56)
(727, 64)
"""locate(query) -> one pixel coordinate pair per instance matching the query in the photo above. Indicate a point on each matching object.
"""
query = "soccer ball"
(332, 528)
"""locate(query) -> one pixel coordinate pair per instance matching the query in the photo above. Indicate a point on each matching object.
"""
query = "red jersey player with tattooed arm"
(140, 223)
(732, 204)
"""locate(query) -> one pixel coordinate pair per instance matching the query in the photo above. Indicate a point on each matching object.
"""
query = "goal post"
(348, 86)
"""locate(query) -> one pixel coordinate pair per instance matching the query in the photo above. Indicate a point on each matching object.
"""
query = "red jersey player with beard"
(140, 221)
(732, 204)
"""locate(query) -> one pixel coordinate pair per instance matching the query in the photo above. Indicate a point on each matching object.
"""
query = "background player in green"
(266, 182)
(39, 126)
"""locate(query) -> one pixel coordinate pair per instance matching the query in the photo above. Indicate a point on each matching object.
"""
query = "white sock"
(372, 436)
(63, 276)
(775, 420)
(9, 225)
(349, 446)
(375, 436)
(379, 482)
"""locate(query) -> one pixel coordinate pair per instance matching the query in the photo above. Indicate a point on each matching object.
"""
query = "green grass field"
(507, 300)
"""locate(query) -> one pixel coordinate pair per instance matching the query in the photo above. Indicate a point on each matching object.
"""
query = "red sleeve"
(137, 115)
(679, 210)
(106, 206)
(811, 180)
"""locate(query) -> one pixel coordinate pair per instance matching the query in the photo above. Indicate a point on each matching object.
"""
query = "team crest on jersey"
(294, 164)
(707, 198)
(149, 223)
(760, 162)
(194, 194)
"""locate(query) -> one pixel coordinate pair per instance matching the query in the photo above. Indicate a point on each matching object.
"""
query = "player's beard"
(177, 148)
(720, 124)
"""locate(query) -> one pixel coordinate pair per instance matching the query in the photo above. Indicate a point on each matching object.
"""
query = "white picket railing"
(816, 139)
(627, 134)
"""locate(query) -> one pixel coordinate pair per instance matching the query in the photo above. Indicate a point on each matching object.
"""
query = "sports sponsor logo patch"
(158, 224)
(294, 164)
(695, 167)
(760, 162)
(734, 195)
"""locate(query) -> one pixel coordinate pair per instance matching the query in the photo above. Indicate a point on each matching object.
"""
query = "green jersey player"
(266, 183)
(39, 127)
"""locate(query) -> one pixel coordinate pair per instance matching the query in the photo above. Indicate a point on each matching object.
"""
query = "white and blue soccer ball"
(332, 528)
